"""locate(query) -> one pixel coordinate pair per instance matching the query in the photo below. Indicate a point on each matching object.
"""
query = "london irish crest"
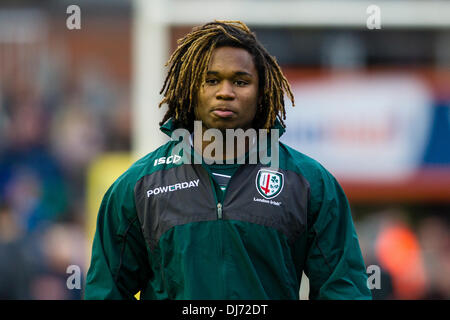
(269, 183)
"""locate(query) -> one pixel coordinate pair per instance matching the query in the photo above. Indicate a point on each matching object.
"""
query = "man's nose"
(225, 91)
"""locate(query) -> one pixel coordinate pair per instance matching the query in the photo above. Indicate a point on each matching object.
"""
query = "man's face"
(229, 97)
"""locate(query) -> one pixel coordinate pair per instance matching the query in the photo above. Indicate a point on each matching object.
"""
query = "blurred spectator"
(76, 138)
(434, 237)
(368, 230)
(414, 261)
(398, 250)
(15, 267)
(119, 126)
(31, 180)
(62, 245)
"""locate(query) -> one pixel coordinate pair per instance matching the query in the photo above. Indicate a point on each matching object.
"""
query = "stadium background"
(78, 106)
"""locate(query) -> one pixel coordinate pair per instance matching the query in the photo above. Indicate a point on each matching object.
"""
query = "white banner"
(361, 127)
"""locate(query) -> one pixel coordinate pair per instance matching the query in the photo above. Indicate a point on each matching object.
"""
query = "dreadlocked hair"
(188, 66)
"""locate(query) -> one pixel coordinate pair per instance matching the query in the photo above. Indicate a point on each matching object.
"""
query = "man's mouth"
(223, 113)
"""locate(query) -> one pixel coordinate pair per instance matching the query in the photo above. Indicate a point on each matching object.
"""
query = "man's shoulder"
(301, 163)
(322, 184)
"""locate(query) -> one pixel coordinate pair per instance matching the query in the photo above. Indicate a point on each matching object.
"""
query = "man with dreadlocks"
(173, 229)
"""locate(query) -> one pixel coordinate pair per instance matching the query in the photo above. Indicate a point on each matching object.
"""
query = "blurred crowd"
(53, 124)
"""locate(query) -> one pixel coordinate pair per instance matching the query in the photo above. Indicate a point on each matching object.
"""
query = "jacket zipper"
(220, 244)
(219, 210)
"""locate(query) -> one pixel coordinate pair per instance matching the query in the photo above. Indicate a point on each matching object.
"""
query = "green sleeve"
(334, 263)
(119, 263)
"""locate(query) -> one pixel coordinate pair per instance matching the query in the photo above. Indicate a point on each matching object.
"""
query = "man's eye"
(241, 83)
(211, 81)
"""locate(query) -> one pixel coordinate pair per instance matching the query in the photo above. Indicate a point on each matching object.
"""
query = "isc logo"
(167, 160)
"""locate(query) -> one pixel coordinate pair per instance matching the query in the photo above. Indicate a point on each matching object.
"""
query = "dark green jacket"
(164, 229)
